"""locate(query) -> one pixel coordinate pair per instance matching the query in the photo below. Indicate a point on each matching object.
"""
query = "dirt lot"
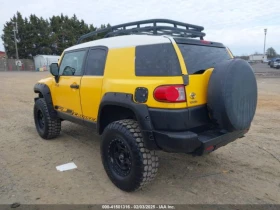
(245, 171)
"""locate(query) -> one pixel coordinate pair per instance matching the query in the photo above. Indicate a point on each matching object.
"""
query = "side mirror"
(54, 69)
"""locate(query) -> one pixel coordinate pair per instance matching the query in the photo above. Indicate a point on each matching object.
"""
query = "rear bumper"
(196, 144)
(186, 131)
(179, 119)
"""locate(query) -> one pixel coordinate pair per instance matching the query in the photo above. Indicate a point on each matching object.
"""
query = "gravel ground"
(246, 171)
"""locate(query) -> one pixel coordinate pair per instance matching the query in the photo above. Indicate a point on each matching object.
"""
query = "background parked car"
(276, 64)
(271, 63)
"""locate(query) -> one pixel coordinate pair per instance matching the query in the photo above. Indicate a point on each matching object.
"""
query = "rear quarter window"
(157, 60)
(95, 62)
(199, 58)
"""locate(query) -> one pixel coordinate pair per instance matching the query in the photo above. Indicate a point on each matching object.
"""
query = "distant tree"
(8, 39)
(44, 36)
(271, 53)
(8, 36)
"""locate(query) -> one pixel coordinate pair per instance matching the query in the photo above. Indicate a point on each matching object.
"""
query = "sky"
(238, 24)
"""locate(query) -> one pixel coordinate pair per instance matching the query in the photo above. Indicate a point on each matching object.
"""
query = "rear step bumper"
(197, 144)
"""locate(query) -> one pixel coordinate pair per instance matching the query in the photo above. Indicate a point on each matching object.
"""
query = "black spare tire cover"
(232, 95)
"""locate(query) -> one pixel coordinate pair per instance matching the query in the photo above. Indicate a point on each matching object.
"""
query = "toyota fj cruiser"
(148, 86)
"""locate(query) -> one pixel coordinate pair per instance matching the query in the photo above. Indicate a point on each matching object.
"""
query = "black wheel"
(46, 127)
(127, 162)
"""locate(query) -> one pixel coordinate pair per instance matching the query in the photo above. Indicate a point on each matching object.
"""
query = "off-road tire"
(51, 127)
(144, 163)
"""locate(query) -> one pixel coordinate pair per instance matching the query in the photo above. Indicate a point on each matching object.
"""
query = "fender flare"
(46, 93)
(140, 110)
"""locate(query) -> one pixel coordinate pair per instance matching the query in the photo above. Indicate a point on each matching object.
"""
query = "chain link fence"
(17, 65)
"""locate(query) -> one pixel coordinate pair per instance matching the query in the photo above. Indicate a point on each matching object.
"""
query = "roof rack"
(150, 27)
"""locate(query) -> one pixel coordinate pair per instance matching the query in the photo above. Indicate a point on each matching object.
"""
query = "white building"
(257, 57)
(43, 62)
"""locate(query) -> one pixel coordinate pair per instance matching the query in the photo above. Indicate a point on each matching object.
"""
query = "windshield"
(198, 57)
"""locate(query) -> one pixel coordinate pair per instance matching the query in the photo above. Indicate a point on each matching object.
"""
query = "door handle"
(74, 86)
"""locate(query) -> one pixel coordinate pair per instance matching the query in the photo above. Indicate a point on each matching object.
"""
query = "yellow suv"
(146, 86)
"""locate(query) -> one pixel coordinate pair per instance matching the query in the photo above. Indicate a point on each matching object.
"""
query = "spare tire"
(232, 95)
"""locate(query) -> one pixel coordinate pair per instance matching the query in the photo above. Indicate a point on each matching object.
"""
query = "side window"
(95, 62)
(72, 63)
(157, 60)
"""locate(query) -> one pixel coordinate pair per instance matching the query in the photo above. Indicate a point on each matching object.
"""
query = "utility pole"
(265, 31)
(15, 29)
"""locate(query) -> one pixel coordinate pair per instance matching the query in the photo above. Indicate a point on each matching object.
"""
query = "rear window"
(157, 60)
(199, 57)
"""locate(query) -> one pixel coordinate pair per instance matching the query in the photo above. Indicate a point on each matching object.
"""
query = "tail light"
(170, 93)
(210, 148)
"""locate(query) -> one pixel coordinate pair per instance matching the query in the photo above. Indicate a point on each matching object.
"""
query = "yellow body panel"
(120, 76)
(90, 91)
(49, 81)
(180, 58)
(59, 60)
(198, 85)
(66, 97)
(229, 52)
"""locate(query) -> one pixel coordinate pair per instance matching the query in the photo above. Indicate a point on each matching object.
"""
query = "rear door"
(200, 58)
(91, 83)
